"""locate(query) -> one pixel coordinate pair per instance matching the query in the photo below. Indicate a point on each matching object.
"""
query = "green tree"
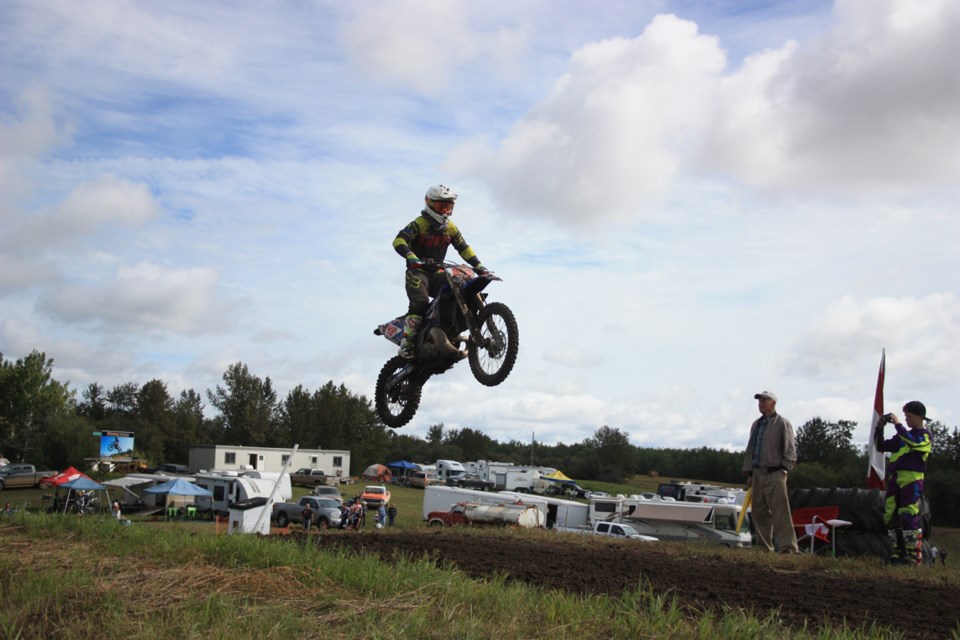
(189, 428)
(828, 443)
(30, 400)
(247, 407)
(613, 455)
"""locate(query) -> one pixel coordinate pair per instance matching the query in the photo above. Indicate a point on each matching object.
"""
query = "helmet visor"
(444, 207)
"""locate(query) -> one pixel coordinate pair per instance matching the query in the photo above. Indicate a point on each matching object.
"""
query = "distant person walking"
(943, 555)
(771, 454)
(391, 514)
(908, 448)
(307, 514)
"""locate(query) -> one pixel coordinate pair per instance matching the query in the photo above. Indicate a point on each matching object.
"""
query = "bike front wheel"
(396, 401)
(492, 359)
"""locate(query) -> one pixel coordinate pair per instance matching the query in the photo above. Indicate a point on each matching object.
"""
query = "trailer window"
(230, 458)
(726, 522)
(338, 461)
(218, 492)
(605, 507)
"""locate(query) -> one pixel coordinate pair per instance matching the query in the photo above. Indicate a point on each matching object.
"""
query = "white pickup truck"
(609, 530)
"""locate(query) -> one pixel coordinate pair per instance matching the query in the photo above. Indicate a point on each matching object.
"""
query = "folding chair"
(818, 523)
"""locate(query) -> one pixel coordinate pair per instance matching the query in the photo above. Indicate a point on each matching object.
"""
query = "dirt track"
(801, 590)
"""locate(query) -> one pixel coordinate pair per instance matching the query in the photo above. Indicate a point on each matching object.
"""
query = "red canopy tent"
(64, 476)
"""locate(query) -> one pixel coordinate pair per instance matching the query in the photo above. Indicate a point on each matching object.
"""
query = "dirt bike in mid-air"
(458, 315)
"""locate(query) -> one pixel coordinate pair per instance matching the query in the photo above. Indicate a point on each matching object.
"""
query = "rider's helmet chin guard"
(439, 201)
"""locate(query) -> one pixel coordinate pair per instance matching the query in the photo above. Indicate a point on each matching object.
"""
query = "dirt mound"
(802, 591)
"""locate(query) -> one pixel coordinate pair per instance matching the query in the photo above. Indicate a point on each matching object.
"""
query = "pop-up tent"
(402, 468)
(377, 472)
(83, 483)
(179, 487)
(558, 476)
(63, 477)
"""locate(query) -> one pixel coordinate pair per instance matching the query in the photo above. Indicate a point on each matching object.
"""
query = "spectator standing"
(115, 507)
(391, 514)
(943, 555)
(771, 454)
(307, 514)
(908, 448)
(381, 517)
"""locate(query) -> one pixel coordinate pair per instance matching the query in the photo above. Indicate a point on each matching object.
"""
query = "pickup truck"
(13, 476)
(471, 482)
(375, 495)
(308, 477)
(326, 512)
(608, 530)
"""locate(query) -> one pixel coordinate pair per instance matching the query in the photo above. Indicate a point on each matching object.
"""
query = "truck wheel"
(282, 519)
(323, 524)
(436, 523)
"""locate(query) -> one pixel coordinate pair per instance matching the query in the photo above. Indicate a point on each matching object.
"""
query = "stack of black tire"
(863, 508)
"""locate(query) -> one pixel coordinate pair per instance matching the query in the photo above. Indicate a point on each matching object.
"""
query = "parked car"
(13, 476)
(375, 495)
(326, 512)
(422, 479)
(308, 477)
(326, 491)
(471, 482)
(176, 469)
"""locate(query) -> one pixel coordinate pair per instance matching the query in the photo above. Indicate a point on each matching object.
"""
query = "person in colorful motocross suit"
(909, 449)
(427, 238)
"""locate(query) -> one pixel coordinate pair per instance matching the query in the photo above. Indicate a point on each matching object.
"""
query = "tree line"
(45, 422)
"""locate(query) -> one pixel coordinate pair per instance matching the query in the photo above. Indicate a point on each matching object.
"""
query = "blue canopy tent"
(179, 487)
(402, 468)
(82, 483)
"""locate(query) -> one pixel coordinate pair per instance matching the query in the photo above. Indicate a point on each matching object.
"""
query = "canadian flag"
(875, 460)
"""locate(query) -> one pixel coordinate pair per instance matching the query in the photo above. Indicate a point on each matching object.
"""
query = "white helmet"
(439, 193)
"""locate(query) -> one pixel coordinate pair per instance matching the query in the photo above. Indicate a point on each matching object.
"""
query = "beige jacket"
(779, 446)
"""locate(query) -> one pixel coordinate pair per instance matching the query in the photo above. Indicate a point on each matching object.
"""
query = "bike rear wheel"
(492, 360)
(397, 404)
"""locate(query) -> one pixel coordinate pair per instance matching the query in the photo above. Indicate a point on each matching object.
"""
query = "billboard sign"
(116, 443)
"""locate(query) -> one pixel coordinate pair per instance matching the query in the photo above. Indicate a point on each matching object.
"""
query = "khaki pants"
(771, 512)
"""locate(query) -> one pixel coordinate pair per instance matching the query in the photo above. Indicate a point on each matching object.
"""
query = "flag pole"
(876, 464)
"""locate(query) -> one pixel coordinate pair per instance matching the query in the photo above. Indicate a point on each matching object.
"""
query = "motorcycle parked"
(458, 315)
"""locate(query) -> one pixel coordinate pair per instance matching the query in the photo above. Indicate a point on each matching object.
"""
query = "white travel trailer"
(670, 520)
(230, 489)
(286, 488)
(440, 498)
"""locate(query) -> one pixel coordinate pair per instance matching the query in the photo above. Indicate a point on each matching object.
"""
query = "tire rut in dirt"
(804, 594)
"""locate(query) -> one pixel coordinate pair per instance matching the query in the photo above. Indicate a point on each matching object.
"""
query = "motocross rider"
(427, 238)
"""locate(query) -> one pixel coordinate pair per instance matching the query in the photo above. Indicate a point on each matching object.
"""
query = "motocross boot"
(408, 346)
(898, 554)
(913, 541)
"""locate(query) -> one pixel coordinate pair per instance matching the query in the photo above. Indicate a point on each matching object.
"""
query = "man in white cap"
(771, 454)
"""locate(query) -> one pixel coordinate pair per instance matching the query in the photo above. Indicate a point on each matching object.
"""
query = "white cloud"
(143, 298)
(921, 336)
(868, 109)
(614, 131)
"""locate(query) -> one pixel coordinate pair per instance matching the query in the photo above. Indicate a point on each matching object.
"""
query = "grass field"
(79, 578)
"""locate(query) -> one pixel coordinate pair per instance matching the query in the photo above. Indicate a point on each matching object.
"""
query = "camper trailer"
(228, 489)
(670, 520)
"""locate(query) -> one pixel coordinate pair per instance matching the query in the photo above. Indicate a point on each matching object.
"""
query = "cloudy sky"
(688, 202)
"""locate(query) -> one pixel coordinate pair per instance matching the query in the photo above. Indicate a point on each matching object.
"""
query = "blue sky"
(688, 202)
